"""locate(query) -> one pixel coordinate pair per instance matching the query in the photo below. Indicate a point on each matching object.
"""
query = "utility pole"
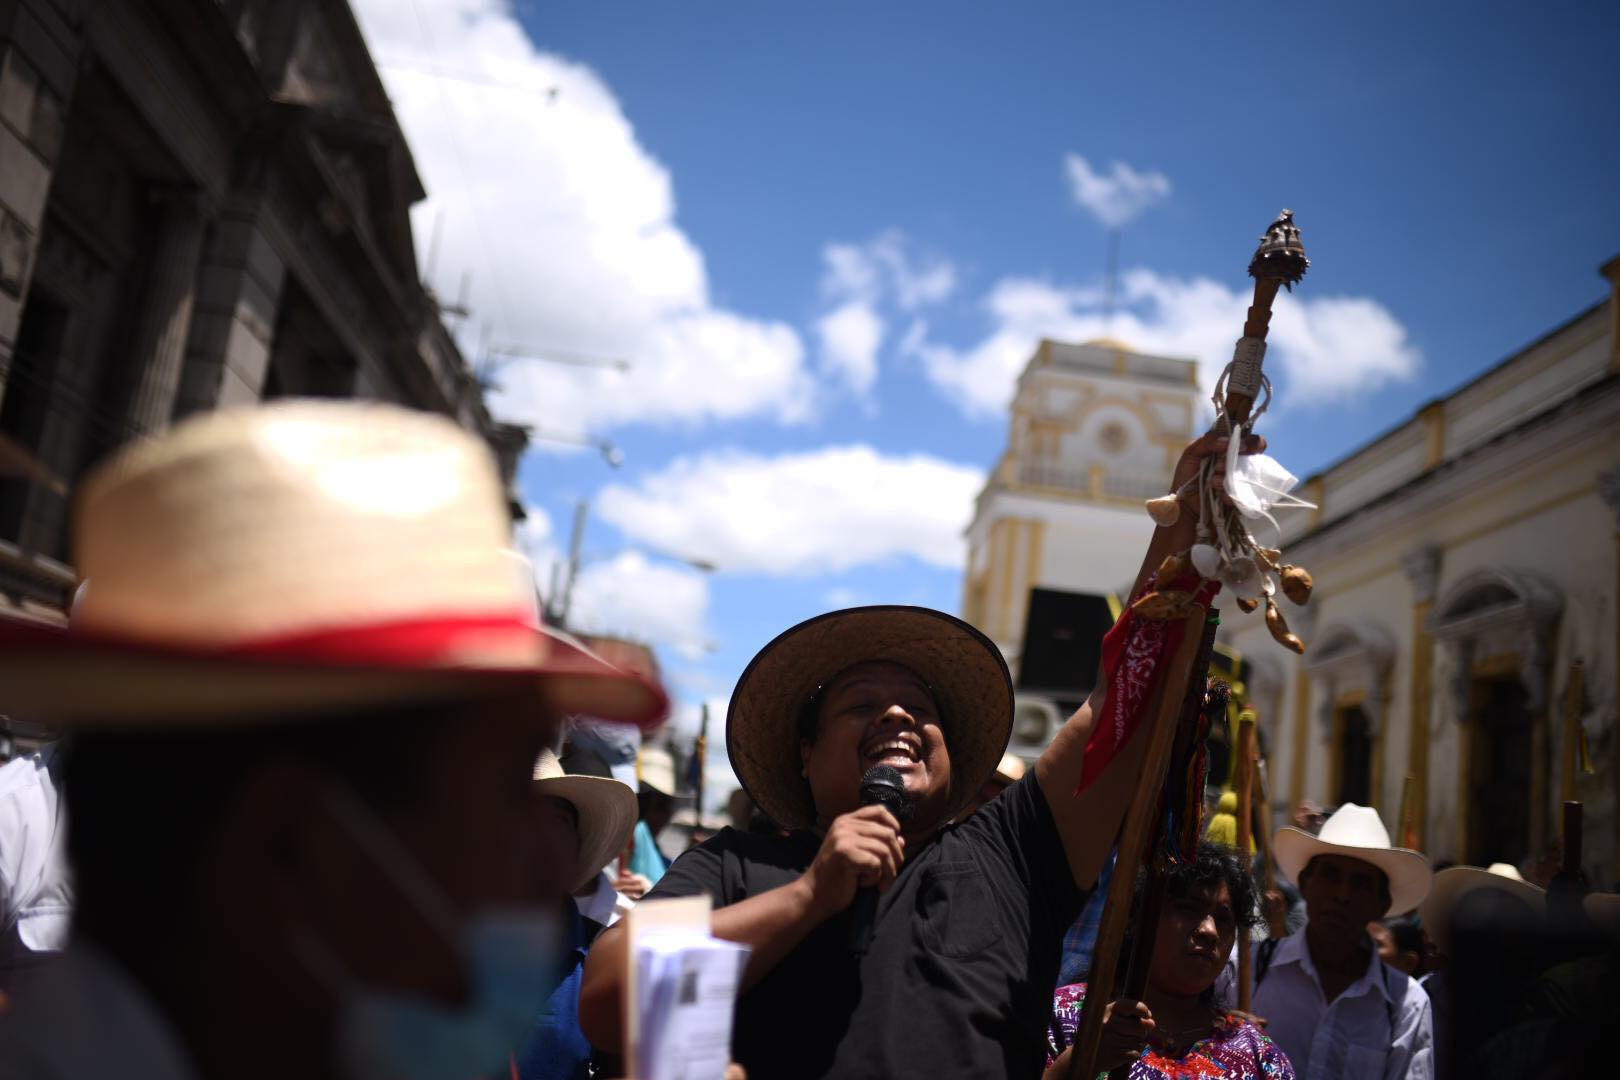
(575, 543)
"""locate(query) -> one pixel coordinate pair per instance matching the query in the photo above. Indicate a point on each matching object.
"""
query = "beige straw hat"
(1456, 882)
(606, 809)
(1358, 833)
(655, 768)
(964, 669)
(1011, 769)
(299, 558)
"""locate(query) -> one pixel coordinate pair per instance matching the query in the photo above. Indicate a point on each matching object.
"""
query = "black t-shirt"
(959, 977)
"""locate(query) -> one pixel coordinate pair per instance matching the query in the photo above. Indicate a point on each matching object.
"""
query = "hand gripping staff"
(1156, 658)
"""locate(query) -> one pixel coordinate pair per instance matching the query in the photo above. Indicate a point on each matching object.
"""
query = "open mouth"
(898, 750)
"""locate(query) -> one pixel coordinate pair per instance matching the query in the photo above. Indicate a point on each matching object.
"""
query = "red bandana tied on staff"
(1132, 652)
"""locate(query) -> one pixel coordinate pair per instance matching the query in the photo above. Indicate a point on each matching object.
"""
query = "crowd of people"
(323, 806)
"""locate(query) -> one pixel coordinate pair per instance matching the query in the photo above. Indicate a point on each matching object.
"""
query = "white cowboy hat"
(298, 559)
(962, 667)
(606, 810)
(1358, 833)
(1456, 882)
(655, 767)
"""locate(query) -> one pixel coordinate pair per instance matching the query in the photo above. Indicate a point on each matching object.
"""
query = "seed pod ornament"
(1279, 628)
(1297, 584)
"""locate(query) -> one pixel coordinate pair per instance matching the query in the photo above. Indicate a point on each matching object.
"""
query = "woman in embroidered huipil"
(1179, 1031)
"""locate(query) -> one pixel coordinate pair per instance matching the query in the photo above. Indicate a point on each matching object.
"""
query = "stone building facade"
(1461, 670)
(203, 203)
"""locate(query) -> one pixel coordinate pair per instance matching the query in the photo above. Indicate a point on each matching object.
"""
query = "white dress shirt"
(36, 893)
(606, 905)
(1380, 1028)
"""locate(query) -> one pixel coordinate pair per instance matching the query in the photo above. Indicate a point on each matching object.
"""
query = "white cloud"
(632, 596)
(628, 595)
(850, 336)
(1117, 196)
(539, 189)
(1321, 349)
(887, 266)
(862, 281)
(846, 506)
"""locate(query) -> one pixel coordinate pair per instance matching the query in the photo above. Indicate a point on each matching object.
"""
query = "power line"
(461, 168)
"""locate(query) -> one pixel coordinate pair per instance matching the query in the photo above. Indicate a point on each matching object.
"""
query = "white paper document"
(686, 989)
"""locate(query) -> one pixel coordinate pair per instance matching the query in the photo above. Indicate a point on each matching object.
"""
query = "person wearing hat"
(1336, 1009)
(957, 975)
(590, 819)
(1497, 893)
(302, 700)
(655, 778)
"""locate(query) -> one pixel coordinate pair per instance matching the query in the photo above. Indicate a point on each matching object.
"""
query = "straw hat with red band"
(303, 557)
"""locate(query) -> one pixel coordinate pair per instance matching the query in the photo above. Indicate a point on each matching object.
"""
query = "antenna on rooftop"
(1111, 280)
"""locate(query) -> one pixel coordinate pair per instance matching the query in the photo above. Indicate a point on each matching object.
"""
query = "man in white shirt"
(36, 891)
(1335, 1008)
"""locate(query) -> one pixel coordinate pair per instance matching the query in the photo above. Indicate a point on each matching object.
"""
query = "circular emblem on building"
(1113, 437)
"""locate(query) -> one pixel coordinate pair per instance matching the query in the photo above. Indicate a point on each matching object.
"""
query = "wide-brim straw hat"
(1456, 882)
(962, 667)
(606, 810)
(1357, 832)
(302, 558)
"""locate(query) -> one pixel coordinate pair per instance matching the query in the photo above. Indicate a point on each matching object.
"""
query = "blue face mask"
(513, 963)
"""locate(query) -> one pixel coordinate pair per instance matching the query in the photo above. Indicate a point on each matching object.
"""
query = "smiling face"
(1196, 933)
(877, 713)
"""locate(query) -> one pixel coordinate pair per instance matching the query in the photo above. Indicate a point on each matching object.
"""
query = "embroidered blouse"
(1234, 1048)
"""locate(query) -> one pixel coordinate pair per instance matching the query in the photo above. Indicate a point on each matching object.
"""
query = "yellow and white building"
(1461, 669)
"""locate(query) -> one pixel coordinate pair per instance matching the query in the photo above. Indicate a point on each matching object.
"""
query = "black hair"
(1215, 865)
(143, 808)
(809, 721)
(1407, 930)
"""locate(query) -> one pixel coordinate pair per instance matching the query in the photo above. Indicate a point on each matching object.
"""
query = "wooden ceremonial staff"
(1245, 837)
(1279, 262)
(1180, 697)
(1276, 921)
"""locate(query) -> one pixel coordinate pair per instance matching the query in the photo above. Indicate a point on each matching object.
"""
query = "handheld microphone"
(881, 786)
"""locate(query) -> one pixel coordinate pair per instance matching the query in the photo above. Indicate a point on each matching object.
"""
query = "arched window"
(1350, 663)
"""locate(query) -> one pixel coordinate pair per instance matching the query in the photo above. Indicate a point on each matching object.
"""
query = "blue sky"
(826, 235)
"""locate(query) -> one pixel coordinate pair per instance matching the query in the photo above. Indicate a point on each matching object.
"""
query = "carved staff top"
(1227, 550)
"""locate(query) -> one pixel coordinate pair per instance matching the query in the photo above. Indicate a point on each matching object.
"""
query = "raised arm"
(1088, 822)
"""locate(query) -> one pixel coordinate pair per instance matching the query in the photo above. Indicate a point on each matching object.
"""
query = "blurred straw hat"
(606, 809)
(299, 558)
(655, 768)
(964, 669)
(1456, 882)
(1358, 832)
